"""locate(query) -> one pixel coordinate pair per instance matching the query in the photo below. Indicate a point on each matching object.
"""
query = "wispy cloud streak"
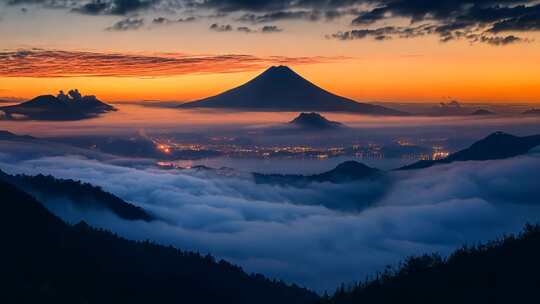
(38, 63)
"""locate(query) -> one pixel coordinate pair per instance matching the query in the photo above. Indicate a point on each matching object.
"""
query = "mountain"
(532, 112)
(44, 260)
(281, 89)
(73, 106)
(502, 271)
(482, 112)
(348, 171)
(78, 195)
(498, 145)
(6, 135)
(314, 121)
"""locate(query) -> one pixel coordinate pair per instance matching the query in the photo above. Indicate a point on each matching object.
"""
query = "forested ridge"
(45, 260)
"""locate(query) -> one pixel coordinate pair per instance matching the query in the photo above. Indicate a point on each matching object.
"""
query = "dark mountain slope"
(281, 89)
(345, 172)
(498, 145)
(6, 135)
(82, 195)
(73, 106)
(314, 121)
(532, 112)
(503, 271)
(482, 112)
(44, 260)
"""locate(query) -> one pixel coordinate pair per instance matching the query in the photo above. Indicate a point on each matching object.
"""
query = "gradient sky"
(368, 50)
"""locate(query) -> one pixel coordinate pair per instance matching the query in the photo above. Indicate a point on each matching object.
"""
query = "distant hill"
(345, 172)
(532, 112)
(451, 108)
(44, 260)
(6, 135)
(81, 195)
(482, 112)
(73, 106)
(498, 145)
(281, 89)
(314, 121)
(502, 271)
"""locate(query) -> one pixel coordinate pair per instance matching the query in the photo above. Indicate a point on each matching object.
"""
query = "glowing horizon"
(144, 54)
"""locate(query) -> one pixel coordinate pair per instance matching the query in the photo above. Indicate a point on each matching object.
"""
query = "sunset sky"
(180, 50)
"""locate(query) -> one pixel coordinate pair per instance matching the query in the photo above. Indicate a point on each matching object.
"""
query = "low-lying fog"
(132, 117)
(120, 131)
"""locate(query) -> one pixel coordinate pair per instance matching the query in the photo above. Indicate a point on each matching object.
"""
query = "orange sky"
(400, 70)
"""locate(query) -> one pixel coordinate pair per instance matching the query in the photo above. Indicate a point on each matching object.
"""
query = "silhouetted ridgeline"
(72, 106)
(6, 135)
(281, 89)
(46, 261)
(314, 121)
(532, 112)
(503, 271)
(482, 112)
(498, 145)
(348, 171)
(82, 195)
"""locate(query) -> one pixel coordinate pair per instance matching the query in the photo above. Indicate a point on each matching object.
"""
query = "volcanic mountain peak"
(279, 70)
(279, 88)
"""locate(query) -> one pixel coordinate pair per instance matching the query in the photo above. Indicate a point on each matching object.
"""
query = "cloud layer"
(55, 63)
(486, 21)
(280, 232)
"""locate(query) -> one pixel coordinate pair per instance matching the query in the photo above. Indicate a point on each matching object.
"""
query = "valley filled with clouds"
(284, 233)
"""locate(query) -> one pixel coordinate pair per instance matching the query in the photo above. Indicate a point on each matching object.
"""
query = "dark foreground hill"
(503, 271)
(498, 145)
(79, 195)
(44, 260)
(281, 89)
(73, 106)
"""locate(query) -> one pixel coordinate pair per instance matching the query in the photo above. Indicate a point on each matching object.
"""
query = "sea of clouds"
(286, 233)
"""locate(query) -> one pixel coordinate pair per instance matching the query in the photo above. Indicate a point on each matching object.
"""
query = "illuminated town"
(400, 148)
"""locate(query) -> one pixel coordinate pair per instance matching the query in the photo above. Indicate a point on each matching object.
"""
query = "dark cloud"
(127, 24)
(281, 15)
(389, 32)
(530, 22)
(245, 29)
(45, 3)
(271, 29)
(501, 40)
(221, 27)
(97, 7)
(115, 7)
(164, 20)
(244, 5)
(473, 20)
(384, 33)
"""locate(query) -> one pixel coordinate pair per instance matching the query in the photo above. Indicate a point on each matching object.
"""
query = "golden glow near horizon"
(421, 69)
